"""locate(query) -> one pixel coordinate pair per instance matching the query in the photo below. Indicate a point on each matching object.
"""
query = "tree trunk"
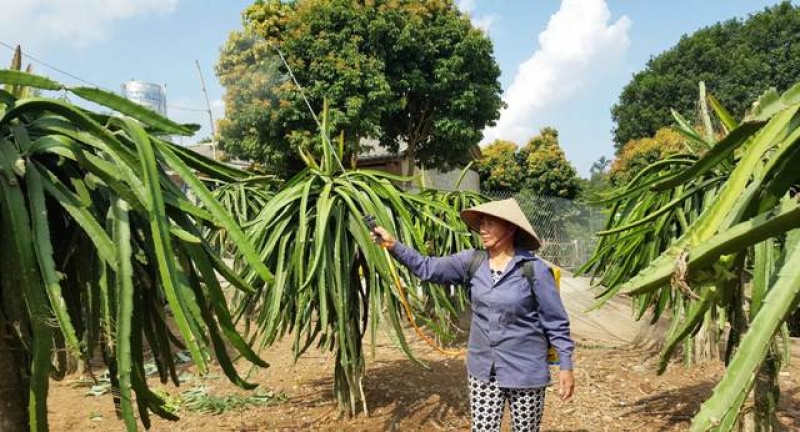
(767, 393)
(747, 419)
(704, 345)
(706, 341)
(13, 408)
(411, 158)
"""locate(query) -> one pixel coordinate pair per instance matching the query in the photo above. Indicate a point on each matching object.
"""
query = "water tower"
(151, 95)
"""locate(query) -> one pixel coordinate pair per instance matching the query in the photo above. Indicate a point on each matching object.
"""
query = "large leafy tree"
(738, 60)
(540, 167)
(248, 72)
(404, 72)
(639, 153)
(499, 167)
(547, 170)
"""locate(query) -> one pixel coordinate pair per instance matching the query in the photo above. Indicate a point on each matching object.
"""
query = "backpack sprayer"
(369, 220)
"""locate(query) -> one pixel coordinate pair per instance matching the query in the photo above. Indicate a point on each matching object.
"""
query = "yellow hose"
(402, 294)
(552, 357)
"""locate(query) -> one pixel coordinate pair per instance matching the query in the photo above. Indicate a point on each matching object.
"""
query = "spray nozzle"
(370, 221)
(372, 224)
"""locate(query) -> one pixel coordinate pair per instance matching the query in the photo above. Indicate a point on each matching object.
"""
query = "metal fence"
(568, 228)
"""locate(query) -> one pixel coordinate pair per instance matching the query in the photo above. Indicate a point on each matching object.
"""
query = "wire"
(55, 68)
(85, 81)
(410, 315)
(316, 120)
(180, 108)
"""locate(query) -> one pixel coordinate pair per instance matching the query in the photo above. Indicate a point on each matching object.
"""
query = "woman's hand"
(380, 235)
(566, 384)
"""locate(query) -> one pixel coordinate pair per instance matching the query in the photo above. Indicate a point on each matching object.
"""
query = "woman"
(512, 322)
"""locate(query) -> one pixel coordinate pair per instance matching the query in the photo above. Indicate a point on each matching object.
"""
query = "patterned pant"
(487, 402)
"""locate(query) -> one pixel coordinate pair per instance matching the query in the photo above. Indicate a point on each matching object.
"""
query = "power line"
(180, 108)
(43, 63)
(77, 78)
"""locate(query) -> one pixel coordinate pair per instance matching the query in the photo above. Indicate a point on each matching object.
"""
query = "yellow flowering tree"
(637, 154)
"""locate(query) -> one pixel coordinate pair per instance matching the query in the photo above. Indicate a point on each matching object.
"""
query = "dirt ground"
(617, 388)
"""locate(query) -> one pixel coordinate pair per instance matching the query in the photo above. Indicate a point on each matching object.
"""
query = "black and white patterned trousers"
(487, 401)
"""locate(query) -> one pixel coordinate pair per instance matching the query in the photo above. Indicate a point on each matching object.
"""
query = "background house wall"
(373, 156)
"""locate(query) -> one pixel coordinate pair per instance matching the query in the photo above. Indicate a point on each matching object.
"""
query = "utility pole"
(208, 108)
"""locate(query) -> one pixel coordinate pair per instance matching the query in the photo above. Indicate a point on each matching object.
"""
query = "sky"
(563, 62)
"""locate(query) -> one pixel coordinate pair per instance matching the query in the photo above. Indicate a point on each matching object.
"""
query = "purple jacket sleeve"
(553, 315)
(443, 270)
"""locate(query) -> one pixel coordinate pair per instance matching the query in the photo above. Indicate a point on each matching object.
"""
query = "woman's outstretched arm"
(450, 269)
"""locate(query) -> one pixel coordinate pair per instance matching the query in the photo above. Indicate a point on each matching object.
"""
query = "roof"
(372, 150)
(211, 150)
(207, 149)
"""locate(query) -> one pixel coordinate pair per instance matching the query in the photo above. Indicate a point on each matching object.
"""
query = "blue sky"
(563, 62)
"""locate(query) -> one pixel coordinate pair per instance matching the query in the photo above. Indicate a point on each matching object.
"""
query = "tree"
(738, 60)
(334, 285)
(598, 184)
(639, 153)
(96, 239)
(547, 170)
(499, 167)
(599, 167)
(540, 167)
(249, 72)
(713, 242)
(403, 72)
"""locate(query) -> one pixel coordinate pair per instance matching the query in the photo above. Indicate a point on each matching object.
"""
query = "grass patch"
(200, 400)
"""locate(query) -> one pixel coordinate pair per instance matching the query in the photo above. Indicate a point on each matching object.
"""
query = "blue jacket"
(508, 327)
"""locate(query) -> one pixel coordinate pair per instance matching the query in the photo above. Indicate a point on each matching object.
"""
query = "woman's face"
(495, 232)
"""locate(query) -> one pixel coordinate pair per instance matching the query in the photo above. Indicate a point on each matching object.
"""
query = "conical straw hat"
(507, 210)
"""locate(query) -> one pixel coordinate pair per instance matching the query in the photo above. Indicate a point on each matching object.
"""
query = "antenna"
(208, 109)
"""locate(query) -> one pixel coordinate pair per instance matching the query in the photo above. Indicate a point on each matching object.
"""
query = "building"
(211, 150)
(373, 156)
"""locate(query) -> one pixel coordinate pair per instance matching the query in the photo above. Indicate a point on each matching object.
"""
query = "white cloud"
(38, 24)
(466, 6)
(578, 46)
(483, 22)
